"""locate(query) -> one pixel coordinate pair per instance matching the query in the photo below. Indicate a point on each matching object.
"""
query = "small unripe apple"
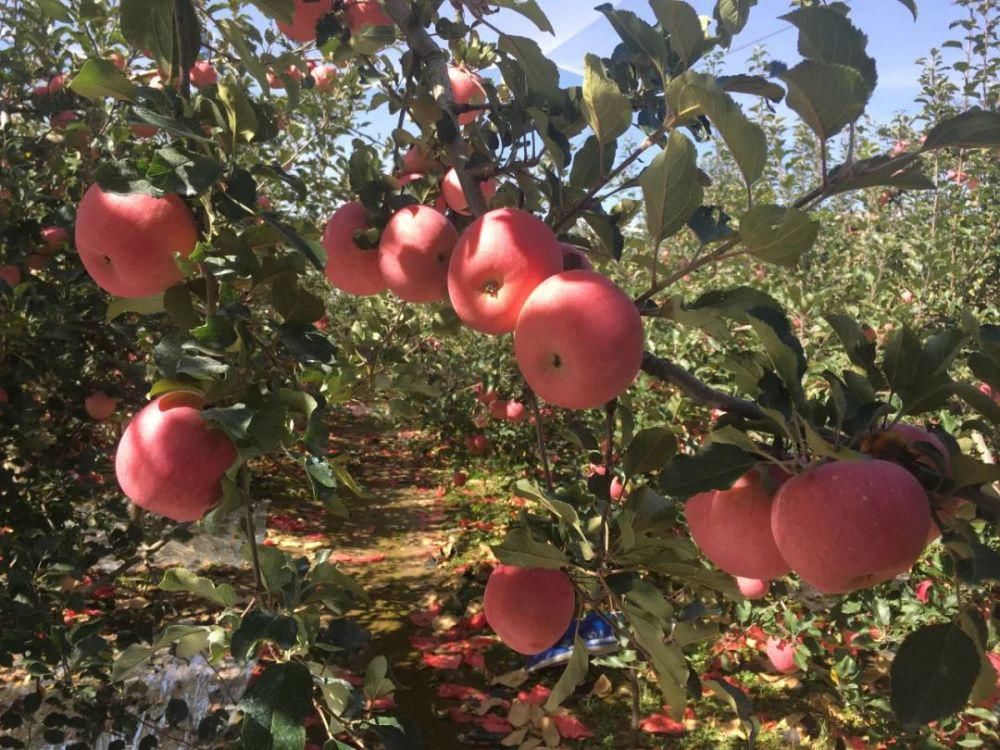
(529, 608)
(454, 196)
(100, 405)
(127, 242)
(349, 267)
(203, 74)
(579, 340)
(466, 88)
(497, 262)
(752, 588)
(732, 527)
(781, 654)
(170, 461)
(414, 253)
(305, 16)
(844, 526)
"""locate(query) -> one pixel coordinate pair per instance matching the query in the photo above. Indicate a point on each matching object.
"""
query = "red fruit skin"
(497, 262)
(515, 411)
(170, 461)
(459, 478)
(498, 409)
(781, 655)
(844, 526)
(52, 238)
(574, 259)
(993, 700)
(141, 130)
(348, 267)
(466, 89)
(529, 608)
(913, 434)
(202, 74)
(306, 15)
(362, 13)
(10, 274)
(732, 528)
(416, 161)
(324, 76)
(100, 405)
(127, 242)
(414, 253)
(454, 196)
(616, 489)
(752, 588)
(578, 340)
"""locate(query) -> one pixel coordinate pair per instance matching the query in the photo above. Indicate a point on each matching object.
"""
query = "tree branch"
(435, 62)
(698, 391)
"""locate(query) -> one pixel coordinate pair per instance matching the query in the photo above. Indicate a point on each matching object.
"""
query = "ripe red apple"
(752, 588)
(276, 81)
(529, 608)
(515, 411)
(497, 262)
(305, 16)
(324, 76)
(578, 340)
(4, 396)
(899, 148)
(142, 130)
(127, 242)
(416, 160)
(574, 259)
(414, 252)
(202, 74)
(781, 653)
(466, 88)
(348, 267)
(459, 478)
(118, 60)
(477, 444)
(732, 527)
(844, 526)
(617, 489)
(170, 461)
(498, 409)
(362, 13)
(454, 196)
(52, 239)
(10, 274)
(61, 120)
(484, 396)
(100, 405)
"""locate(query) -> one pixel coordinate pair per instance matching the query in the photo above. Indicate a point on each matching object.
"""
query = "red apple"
(4, 396)
(498, 409)
(276, 81)
(454, 196)
(202, 74)
(118, 60)
(844, 526)
(416, 160)
(11, 275)
(617, 489)
(100, 405)
(781, 653)
(52, 239)
(127, 242)
(324, 76)
(305, 16)
(578, 340)
(498, 261)
(752, 588)
(414, 252)
(363, 13)
(466, 88)
(142, 130)
(477, 444)
(61, 120)
(912, 434)
(484, 396)
(170, 461)
(348, 267)
(574, 259)
(529, 608)
(732, 527)
(515, 411)
(459, 478)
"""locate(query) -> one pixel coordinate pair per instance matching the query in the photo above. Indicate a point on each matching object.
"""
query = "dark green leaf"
(778, 235)
(972, 129)
(649, 451)
(521, 549)
(530, 10)
(100, 78)
(681, 21)
(639, 36)
(826, 35)
(181, 579)
(262, 625)
(606, 109)
(671, 188)
(274, 708)
(826, 97)
(573, 675)
(714, 467)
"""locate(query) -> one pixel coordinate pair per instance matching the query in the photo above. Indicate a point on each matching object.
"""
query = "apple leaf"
(671, 188)
(98, 79)
(274, 708)
(606, 109)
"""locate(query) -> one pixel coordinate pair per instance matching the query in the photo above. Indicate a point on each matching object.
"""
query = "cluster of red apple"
(841, 525)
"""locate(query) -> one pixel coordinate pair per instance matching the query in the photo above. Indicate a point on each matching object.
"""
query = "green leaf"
(714, 467)
(241, 116)
(149, 25)
(732, 15)
(972, 129)
(694, 94)
(911, 5)
(827, 36)
(55, 10)
(826, 97)
(530, 10)
(177, 170)
(262, 625)
(540, 74)
(141, 305)
(98, 79)
(377, 683)
(573, 675)
(183, 128)
(182, 579)
(687, 38)
(979, 401)
(778, 235)
(933, 674)
(671, 188)
(649, 451)
(606, 109)
(639, 36)
(782, 347)
(592, 162)
(754, 85)
(899, 362)
(519, 548)
(274, 708)
(905, 173)
(667, 660)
